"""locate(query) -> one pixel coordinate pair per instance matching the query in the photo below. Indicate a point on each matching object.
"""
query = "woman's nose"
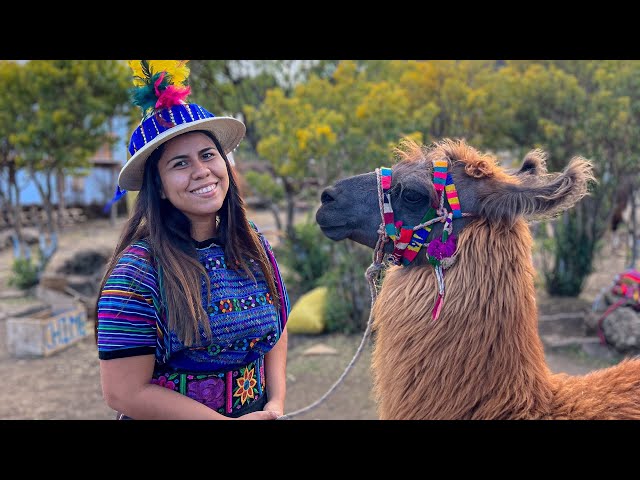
(200, 169)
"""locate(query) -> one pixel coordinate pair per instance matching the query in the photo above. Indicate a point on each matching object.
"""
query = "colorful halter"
(409, 240)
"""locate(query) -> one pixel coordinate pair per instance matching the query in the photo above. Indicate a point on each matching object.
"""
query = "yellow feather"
(136, 69)
(178, 70)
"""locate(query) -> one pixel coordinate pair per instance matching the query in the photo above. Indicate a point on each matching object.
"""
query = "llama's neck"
(482, 357)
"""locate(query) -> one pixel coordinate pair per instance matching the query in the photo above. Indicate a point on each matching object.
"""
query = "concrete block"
(47, 331)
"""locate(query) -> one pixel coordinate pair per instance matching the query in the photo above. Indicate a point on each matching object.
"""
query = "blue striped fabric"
(127, 313)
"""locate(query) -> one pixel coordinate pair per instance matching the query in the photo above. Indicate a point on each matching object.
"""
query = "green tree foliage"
(13, 109)
(269, 191)
(229, 87)
(570, 108)
(70, 103)
(294, 138)
(62, 114)
(25, 273)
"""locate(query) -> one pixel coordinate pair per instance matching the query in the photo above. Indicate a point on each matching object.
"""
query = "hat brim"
(227, 130)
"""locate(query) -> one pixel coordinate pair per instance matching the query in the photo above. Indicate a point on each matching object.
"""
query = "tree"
(14, 107)
(570, 108)
(292, 135)
(66, 107)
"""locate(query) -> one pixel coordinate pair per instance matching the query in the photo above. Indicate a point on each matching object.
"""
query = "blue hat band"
(164, 120)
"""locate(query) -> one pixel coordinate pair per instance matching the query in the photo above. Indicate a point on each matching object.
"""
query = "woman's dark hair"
(168, 232)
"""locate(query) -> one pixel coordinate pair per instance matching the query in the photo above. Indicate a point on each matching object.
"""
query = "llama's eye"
(411, 196)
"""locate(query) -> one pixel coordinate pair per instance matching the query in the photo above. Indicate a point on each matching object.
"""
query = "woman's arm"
(127, 389)
(275, 369)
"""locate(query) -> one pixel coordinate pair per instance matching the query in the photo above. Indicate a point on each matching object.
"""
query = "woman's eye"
(412, 196)
(179, 164)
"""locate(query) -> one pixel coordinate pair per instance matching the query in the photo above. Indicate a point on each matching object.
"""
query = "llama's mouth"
(336, 233)
(330, 228)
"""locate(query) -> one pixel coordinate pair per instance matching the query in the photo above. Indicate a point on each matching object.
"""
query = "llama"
(456, 334)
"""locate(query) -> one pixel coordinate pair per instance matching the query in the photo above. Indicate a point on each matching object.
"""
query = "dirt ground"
(66, 385)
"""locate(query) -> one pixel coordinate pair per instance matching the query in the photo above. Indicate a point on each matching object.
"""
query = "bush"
(349, 297)
(305, 258)
(25, 273)
(312, 260)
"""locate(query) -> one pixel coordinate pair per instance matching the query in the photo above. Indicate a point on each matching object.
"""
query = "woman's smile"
(206, 191)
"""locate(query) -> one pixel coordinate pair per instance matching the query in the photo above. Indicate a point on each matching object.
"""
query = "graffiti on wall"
(65, 329)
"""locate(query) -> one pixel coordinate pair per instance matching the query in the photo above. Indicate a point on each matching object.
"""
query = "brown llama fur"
(483, 357)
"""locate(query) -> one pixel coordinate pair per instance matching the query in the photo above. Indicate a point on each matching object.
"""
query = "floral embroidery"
(246, 385)
(214, 349)
(226, 306)
(241, 344)
(209, 391)
(164, 382)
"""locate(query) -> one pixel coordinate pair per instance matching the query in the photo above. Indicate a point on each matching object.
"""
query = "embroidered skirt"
(233, 393)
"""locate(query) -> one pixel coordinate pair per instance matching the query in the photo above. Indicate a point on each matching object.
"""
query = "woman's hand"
(260, 415)
(274, 407)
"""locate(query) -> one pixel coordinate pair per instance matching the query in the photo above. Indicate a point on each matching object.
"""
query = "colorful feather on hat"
(158, 84)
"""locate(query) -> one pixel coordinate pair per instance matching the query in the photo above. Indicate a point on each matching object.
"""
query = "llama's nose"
(328, 195)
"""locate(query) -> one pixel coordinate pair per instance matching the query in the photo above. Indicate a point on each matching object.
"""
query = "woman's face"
(194, 176)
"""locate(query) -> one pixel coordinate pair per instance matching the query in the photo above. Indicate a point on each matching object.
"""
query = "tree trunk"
(20, 247)
(276, 216)
(49, 231)
(113, 213)
(60, 193)
(290, 199)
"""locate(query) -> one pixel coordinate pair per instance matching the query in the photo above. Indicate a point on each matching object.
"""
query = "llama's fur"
(482, 358)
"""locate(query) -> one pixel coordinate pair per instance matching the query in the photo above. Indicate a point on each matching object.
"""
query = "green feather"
(144, 96)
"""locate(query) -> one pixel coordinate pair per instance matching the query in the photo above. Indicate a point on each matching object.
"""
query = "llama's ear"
(534, 163)
(536, 196)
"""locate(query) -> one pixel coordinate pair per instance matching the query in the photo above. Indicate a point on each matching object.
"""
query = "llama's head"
(352, 208)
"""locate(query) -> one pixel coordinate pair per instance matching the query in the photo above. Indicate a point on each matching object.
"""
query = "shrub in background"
(24, 273)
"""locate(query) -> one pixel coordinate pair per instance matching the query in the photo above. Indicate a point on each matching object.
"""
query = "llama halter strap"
(409, 240)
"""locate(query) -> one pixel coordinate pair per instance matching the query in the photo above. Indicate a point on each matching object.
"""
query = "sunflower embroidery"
(245, 385)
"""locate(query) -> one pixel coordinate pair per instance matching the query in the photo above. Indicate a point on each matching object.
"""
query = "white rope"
(371, 275)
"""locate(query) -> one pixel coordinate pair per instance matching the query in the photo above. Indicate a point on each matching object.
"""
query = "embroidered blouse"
(244, 322)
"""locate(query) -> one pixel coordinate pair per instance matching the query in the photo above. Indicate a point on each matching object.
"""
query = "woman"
(191, 320)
